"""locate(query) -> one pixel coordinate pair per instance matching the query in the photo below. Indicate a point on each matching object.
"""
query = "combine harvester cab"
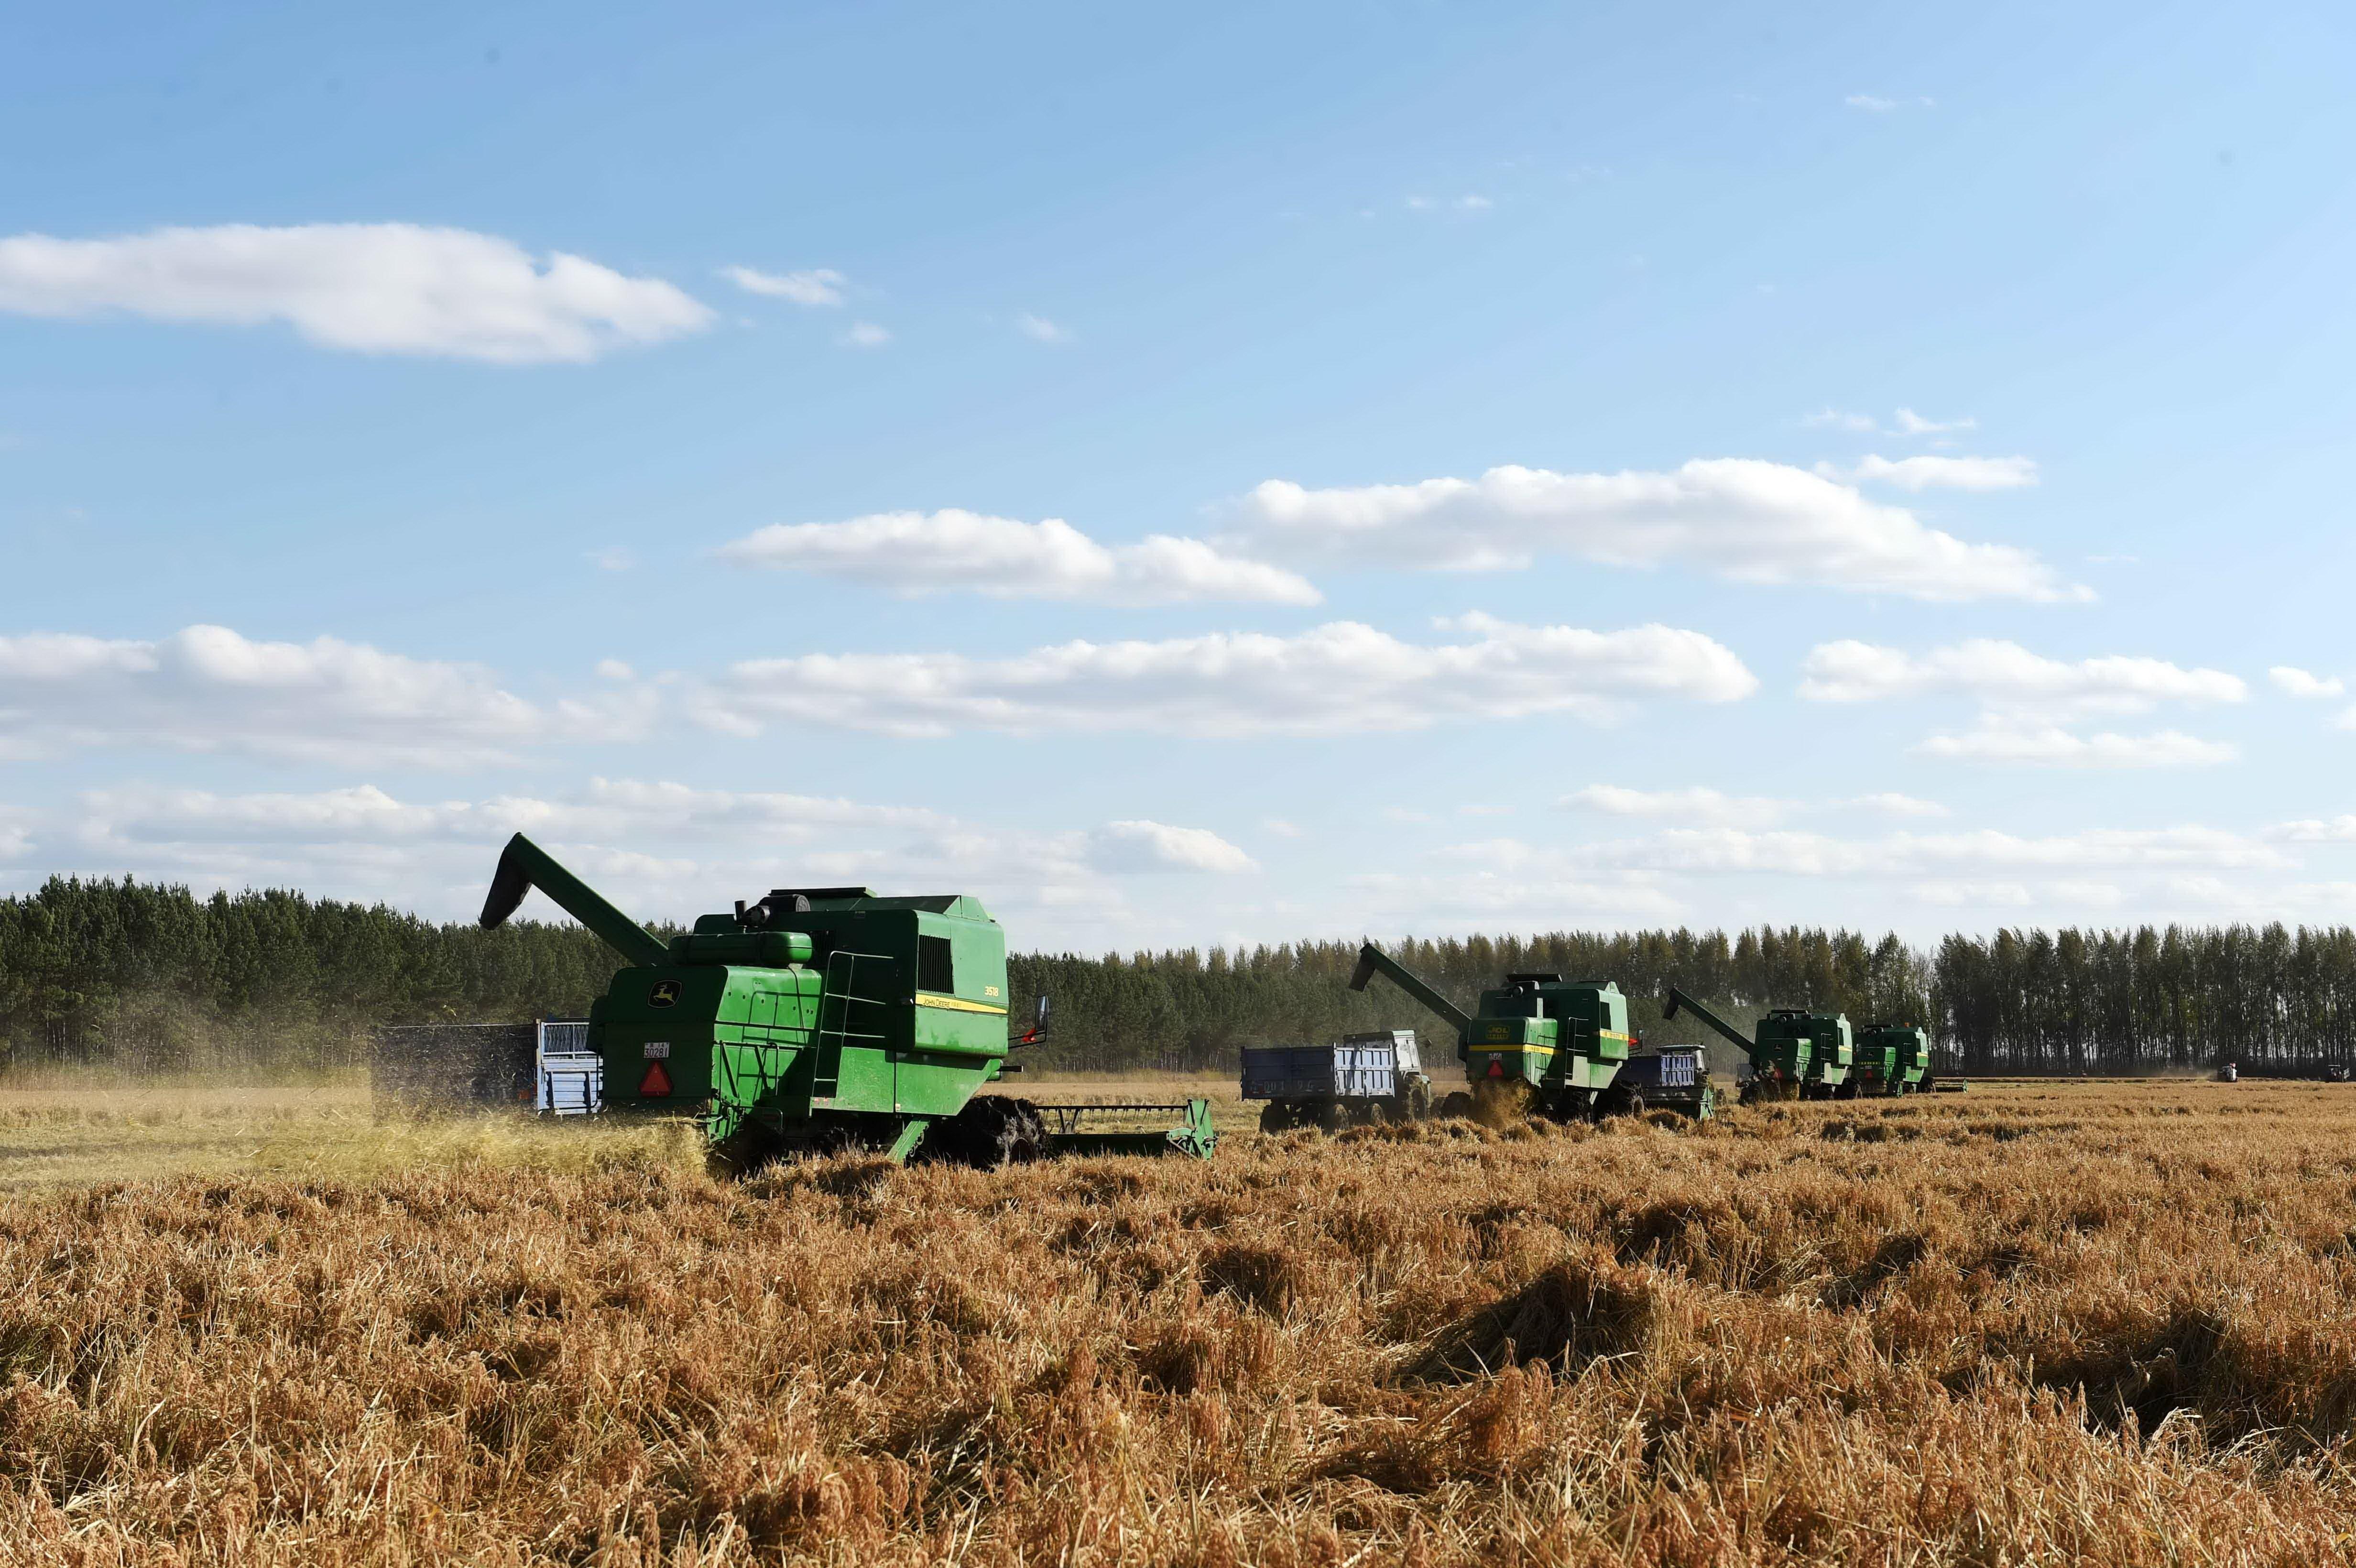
(1556, 1046)
(1795, 1053)
(822, 1019)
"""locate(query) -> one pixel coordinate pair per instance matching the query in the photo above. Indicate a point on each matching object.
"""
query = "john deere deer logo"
(665, 993)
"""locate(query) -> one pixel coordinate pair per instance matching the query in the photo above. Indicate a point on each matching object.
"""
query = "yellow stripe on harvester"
(957, 1004)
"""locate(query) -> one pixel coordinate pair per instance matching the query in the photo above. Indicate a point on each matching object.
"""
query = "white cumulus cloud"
(374, 288)
(1742, 518)
(2004, 675)
(1925, 472)
(954, 550)
(1336, 678)
(1140, 846)
(2305, 683)
(819, 287)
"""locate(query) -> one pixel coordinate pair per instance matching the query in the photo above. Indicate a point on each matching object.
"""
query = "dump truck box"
(1358, 1066)
(1673, 1078)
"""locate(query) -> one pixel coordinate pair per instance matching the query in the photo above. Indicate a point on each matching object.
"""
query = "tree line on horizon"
(151, 977)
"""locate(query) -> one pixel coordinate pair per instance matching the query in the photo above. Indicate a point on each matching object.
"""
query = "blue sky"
(1612, 465)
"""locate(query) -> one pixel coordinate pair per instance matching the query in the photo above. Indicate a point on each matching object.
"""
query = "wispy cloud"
(1911, 423)
(1334, 680)
(817, 286)
(372, 288)
(2050, 745)
(1841, 419)
(207, 688)
(1741, 518)
(1699, 804)
(1924, 472)
(688, 846)
(2007, 676)
(2025, 700)
(1039, 329)
(954, 550)
(865, 335)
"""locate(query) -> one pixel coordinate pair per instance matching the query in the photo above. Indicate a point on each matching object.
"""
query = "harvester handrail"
(1373, 959)
(524, 865)
(1679, 999)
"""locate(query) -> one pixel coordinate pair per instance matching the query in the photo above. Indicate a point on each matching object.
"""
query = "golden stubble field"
(2109, 1324)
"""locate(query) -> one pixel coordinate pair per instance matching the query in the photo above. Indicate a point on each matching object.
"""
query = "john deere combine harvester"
(1793, 1053)
(1891, 1059)
(1554, 1045)
(824, 1018)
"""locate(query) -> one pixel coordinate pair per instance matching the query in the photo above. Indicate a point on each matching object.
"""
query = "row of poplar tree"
(151, 977)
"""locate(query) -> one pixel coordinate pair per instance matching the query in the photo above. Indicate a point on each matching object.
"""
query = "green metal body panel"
(1892, 1058)
(1552, 1034)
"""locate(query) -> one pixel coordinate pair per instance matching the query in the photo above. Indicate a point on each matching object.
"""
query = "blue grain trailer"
(1360, 1080)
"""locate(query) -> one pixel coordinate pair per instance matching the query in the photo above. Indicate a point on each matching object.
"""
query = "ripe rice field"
(2085, 1323)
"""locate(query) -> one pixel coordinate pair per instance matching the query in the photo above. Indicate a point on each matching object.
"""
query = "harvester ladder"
(839, 1014)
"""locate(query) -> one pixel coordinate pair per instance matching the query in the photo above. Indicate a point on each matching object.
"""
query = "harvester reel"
(1619, 1101)
(992, 1130)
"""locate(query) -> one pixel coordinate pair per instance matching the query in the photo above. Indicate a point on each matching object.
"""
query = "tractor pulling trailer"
(828, 1018)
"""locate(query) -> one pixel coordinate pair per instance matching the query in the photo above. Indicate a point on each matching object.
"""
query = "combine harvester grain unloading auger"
(1794, 1053)
(828, 1018)
(1553, 1047)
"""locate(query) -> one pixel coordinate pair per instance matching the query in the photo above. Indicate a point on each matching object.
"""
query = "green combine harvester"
(821, 1020)
(1555, 1046)
(1891, 1059)
(1794, 1053)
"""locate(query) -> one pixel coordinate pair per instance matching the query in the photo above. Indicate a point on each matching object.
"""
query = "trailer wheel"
(1276, 1117)
(1332, 1116)
(1457, 1105)
(1374, 1112)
